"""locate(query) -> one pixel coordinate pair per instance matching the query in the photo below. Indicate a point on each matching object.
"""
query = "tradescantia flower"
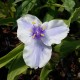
(38, 38)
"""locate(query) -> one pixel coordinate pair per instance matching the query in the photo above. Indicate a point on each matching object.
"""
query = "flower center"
(37, 32)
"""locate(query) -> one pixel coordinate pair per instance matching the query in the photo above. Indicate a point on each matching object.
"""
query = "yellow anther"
(34, 36)
(44, 27)
(42, 34)
(30, 30)
(33, 22)
(39, 24)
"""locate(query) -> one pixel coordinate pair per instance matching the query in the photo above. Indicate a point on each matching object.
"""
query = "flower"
(38, 38)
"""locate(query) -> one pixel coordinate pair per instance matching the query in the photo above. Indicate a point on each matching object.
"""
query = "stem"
(57, 5)
(49, 5)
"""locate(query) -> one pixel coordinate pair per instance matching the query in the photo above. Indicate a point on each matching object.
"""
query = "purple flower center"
(37, 32)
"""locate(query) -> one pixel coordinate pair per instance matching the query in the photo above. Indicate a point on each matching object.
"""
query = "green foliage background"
(45, 10)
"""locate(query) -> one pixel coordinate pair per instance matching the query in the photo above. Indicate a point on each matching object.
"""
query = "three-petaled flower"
(38, 38)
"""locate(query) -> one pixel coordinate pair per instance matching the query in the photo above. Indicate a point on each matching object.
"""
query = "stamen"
(34, 36)
(39, 24)
(44, 27)
(42, 34)
(33, 22)
(30, 30)
(37, 32)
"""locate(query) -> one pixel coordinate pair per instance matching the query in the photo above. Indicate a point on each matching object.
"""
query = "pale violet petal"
(32, 19)
(45, 56)
(24, 24)
(36, 54)
(55, 23)
(23, 31)
(55, 34)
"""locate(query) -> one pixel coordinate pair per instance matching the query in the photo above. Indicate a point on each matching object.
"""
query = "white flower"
(38, 38)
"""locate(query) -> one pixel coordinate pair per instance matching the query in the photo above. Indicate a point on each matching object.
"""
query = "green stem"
(57, 5)
(49, 5)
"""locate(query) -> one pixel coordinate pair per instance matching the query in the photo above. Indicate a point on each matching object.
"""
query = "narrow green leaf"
(11, 55)
(27, 5)
(6, 21)
(67, 22)
(75, 15)
(45, 71)
(18, 66)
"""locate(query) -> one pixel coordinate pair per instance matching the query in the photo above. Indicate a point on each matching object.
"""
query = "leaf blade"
(18, 66)
(7, 58)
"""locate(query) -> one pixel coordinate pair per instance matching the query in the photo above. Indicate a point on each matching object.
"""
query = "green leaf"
(27, 5)
(1, 4)
(75, 15)
(18, 66)
(48, 17)
(66, 47)
(69, 5)
(16, 1)
(45, 71)
(63, 49)
(10, 56)
(77, 3)
(2, 15)
(52, 1)
(51, 14)
(10, 2)
(5, 21)
(13, 9)
(67, 22)
(61, 9)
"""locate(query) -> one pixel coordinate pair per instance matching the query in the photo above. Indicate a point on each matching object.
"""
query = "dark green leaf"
(11, 55)
(2, 15)
(51, 14)
(66, 47)
(48, 17)
(18, 66)
(52, 1)
(1, 4)
(16, 1)
(75, 15)
(27, 5)
(45, 71)
(6, 21)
